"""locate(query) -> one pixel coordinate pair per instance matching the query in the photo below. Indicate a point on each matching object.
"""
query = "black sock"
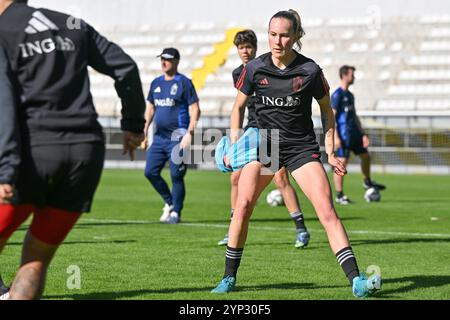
(232, 261)
(340, 194)
(298, 220)
(347, 260)
(368, 182)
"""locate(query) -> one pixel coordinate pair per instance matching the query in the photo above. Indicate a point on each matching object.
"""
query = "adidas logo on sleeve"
(39, 23)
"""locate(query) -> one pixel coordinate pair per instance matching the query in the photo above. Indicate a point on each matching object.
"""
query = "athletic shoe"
(166, 213)
(226, 285)
(373, 184)
(4, 296)
(363, 287)
(343, 200)
(224, 241)
(302, 238)
(174, 218)
(4, 292)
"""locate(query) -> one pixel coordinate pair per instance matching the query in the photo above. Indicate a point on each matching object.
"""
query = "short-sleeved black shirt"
(251, 117)
(284, 97)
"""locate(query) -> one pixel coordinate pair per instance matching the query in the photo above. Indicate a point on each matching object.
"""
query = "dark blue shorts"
(354, 145)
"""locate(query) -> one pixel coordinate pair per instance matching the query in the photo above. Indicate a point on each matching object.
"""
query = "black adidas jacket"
(49, 53)
(9, 128)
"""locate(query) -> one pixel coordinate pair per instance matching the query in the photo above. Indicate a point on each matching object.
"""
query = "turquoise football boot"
(226, 285)
(363, 287)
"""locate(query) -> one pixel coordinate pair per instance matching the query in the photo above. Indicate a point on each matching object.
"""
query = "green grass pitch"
(123, 252)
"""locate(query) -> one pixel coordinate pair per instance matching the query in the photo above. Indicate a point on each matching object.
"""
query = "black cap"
(169, 54)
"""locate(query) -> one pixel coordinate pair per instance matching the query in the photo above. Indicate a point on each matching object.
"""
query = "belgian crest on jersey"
(297, 84)
(174, 89)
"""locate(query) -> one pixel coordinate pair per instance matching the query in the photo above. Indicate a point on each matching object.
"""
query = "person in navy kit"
(349, 135)
(171, 98)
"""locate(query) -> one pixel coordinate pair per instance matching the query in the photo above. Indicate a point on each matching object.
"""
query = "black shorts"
(292, 157)
(61, 176)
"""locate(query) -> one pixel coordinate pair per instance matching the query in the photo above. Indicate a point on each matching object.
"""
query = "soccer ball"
(274, 198)
(372, 194)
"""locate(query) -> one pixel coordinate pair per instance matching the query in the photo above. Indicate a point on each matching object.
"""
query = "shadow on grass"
(289, 245)
(136, 293)
(286, 217)
(413, 283)
(407, 284)
(400, 240)
(83, 242)
(89, 225)
(403, 201)
(311, 218)
(319, 244)
(84, 225)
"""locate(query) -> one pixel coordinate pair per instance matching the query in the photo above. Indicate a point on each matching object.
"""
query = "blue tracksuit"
(171, 119)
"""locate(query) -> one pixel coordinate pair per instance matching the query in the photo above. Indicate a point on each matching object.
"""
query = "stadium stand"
(403, 75)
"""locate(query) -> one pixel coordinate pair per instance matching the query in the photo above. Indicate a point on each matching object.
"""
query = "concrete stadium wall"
(136, 13)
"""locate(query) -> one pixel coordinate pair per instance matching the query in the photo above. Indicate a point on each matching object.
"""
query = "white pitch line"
(223, 226)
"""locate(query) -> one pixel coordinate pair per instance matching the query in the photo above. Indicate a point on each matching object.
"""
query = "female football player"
(285, 82)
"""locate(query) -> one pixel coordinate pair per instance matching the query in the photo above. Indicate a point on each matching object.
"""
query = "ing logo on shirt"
(167, 102)
(289, 101)
(46, 46)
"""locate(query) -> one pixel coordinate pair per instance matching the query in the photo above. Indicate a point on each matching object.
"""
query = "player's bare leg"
(234, 180)
(290, 198)
(339, 180)
(49, 228)
(251, 184)
(11, 217)
(313, 180)
(30, 279)
(365, 165)
(365, 169)
(339, 185)
(281, 180)
(3, 288)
